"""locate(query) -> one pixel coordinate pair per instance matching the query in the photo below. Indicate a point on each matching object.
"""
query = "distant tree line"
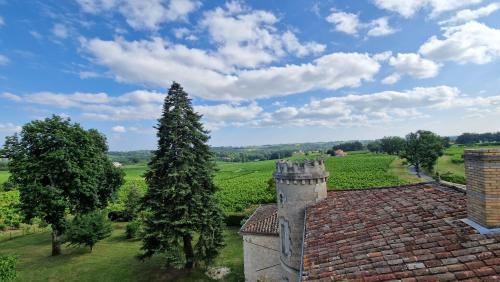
(347, 146)
(231, 155)
(472, 138)
(130, 157)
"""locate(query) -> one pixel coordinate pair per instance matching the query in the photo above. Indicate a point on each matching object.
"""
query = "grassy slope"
(445, 164)
(112, 260)
(4, 175)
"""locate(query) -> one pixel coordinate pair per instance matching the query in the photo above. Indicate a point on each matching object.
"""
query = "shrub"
(132, 203)
(451, 177)
(132, 229)
(88, 229)
(7, 268)
(457, 159)
(3, 227)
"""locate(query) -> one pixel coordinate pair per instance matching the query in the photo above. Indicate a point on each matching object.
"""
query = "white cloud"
(472, 42)
(230, 112)
(249, 38)
(36, 35)
(119, 129)
(207, 75)
(294, 47)
(184, 33)
(9, 128)
(344, 22)
(391, 79)
(380, 27)
(10, 96)
(3, 60)
(60, 30)
(413, 65)
(468, 14)
(2, 22)
(66, 100)
(375, 108)
(408, 8)
(144, 14)
(351, 24)
(383, 56)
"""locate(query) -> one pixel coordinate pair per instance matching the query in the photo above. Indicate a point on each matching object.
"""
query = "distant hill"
(237, 154)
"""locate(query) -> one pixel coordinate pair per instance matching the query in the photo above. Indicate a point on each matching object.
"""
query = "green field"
(113, 259)
(451, 166)
(245, 184)
(4, 175)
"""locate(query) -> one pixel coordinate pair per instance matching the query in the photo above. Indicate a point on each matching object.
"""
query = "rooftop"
(403, 232)
(263, 222)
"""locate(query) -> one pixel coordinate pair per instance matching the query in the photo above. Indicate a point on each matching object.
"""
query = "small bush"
(457, 159)
(3, 227)
(132, 229)
(88, 229)
(7, 268)
(450, 177)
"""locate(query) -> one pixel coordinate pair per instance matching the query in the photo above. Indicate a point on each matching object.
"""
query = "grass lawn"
(4, 175)
(455, 171)
(401, 171)
(445, 164)
(113, 259)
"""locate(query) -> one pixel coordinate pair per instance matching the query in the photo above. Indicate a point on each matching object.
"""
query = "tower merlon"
(300, 170)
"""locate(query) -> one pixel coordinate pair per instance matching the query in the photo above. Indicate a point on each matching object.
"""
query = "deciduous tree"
(422, 149)
(60, 167)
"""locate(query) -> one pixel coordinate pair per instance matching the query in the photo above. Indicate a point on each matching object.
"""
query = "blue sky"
(261, 72)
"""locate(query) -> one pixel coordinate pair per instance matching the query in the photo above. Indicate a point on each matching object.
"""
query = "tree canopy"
(422, 149)
(60, 167)
(180, 201)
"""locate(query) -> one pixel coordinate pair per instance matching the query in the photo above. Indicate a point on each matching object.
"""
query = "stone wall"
(261, 258)
(482, 171)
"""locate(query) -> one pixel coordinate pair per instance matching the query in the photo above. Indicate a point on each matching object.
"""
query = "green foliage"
(451, 177)
(422, 149)
(132, 229)
(374, 147)
(10, 214)
(68, 171)
(180, 199)
(347, 146)
(392, 145)
(243, 184)
(88, 229)
(361, 171)
(7, 268)
(473, 138)
(132, 203)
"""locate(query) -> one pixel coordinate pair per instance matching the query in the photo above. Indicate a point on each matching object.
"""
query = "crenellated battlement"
(300, 170)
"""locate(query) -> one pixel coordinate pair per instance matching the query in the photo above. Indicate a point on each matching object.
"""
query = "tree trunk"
(56, 243)
(417, 169)
(188, 251)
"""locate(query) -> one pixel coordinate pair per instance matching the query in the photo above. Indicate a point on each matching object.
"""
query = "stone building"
(426, 231)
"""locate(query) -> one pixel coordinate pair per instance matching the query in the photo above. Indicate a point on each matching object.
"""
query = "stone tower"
(298, 184)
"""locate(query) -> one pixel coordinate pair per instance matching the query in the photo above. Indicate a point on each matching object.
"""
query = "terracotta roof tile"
(412, 233)
(264, 221)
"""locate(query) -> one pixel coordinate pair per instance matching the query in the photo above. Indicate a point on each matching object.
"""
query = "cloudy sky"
(261, 72)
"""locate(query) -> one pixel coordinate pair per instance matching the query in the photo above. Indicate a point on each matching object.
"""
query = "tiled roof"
(264, 221)
(411, 233)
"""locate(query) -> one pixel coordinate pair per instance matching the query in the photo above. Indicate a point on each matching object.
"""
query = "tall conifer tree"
(180, 199)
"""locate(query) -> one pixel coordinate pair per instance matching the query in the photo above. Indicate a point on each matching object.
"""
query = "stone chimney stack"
(482, 170)
(298, 184)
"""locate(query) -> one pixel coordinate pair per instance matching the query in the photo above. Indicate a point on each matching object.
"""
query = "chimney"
(482, 170)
